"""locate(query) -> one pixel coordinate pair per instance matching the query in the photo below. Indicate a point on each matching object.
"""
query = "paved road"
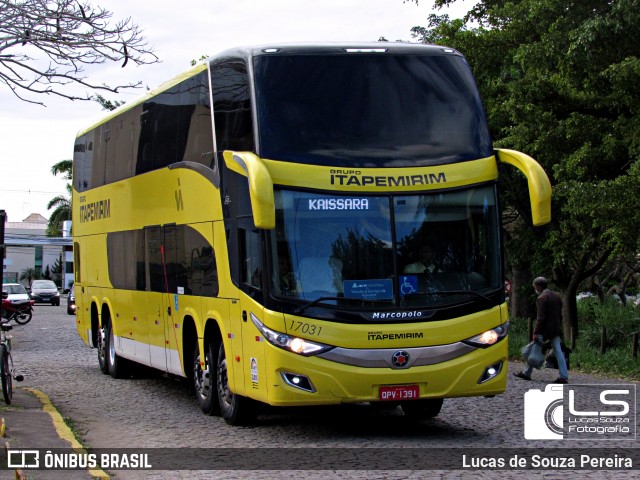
(158, 412)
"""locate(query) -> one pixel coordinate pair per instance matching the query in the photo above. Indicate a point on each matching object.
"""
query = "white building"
(27, 246)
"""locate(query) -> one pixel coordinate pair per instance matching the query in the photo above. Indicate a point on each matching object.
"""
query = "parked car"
(15, 292)
(71, 302)
(45, 291)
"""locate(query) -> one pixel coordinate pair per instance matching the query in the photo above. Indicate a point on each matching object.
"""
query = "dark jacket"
(549, 317)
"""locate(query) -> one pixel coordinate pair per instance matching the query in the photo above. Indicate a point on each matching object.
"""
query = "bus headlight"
(490, 337)
(297, 345)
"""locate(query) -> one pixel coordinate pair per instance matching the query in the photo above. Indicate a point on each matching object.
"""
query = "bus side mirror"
(539, 185)
(260, 186)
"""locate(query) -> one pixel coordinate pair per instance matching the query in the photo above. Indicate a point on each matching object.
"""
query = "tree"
(108, 104)
(29, 274)
(61, 203)
(64, 167)
(62, 212)
(56, 271)
(559, 82)
(45, 46)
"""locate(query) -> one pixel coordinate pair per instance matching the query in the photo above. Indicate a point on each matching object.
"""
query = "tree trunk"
(521, 291)
(570, 314)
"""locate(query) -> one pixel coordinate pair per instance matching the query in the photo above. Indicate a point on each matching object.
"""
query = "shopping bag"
(532, 353)
(551, 361)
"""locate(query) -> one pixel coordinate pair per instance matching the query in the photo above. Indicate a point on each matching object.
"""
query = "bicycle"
(7, 373)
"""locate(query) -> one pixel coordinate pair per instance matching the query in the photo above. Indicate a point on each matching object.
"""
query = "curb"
(60, 431)
(19, 475)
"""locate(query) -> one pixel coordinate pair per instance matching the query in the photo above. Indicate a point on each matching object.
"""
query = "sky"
(33, 138)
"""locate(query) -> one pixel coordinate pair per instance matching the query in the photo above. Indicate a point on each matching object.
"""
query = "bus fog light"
(491, 372)
(298, 381)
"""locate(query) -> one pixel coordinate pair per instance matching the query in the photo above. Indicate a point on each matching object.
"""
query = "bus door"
(251, 277)
(160, 269)
(172, 270)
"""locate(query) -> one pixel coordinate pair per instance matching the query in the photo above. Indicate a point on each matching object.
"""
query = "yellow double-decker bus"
(300, 225)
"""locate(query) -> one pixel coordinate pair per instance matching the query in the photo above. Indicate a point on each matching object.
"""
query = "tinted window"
(195, 133)
(232, 106)
(250, 257)
(76, 262)
(126, 259)
(369, 110)
(159, 119)
(140, 259)
(200, 273)
(173, 126)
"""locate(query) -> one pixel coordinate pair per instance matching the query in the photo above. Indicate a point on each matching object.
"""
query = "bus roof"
(336, 49)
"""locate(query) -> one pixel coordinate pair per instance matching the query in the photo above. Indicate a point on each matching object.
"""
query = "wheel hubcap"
(112, 348)
(223, 383)
(202, 378)
(101, 345)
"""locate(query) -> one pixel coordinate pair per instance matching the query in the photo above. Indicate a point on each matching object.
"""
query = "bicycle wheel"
(5, 375)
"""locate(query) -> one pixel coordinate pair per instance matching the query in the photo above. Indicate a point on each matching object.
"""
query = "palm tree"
(61, 203)
(62, 212)
(65, 167)
(29, 274)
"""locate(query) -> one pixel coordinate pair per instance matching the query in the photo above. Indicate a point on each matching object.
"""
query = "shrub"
(618, 320)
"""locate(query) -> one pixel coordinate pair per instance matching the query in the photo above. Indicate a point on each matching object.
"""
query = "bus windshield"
(369, 110)
(425, 250)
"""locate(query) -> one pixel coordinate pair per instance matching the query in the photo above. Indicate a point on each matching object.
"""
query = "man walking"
(548, 327)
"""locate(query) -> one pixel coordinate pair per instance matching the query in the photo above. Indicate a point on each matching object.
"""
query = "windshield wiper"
(312, 303)
(459, 292)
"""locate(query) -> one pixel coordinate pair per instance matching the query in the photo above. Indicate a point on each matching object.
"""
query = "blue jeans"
(562, 363)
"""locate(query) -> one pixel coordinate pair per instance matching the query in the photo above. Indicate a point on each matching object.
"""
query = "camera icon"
(543, 413)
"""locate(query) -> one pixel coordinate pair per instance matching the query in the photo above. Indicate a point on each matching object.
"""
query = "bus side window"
(201, 272)
(232, 111)
(250, 257)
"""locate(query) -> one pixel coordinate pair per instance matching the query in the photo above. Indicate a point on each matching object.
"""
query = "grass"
(619, 321)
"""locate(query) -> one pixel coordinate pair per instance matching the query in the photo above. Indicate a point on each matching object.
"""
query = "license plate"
(396, 393)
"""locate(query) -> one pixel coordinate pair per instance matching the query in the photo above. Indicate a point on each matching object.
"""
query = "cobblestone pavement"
(158, 412)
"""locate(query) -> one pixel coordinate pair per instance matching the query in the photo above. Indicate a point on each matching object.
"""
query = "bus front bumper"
(298, 380)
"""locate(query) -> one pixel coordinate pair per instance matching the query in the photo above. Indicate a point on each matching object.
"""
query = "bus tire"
(205, 379)
(102, 348)
(235, 409)
(422, 409)
(118, 367)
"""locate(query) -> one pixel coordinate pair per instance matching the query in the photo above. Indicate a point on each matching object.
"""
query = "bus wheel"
(102, 350)
(204, 380)
(117, 366)
(422, 409)
(235, 409)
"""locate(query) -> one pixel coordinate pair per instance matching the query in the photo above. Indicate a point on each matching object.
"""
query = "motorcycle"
(21, 310)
